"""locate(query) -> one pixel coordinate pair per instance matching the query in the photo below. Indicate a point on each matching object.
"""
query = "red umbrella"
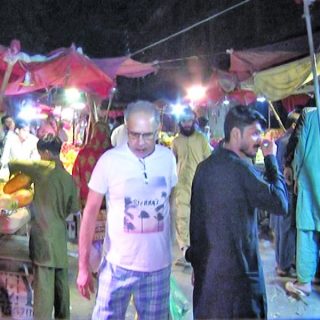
(244, 97)
(63, 68)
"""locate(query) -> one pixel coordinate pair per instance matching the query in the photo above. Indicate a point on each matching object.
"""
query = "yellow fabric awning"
(282, 81)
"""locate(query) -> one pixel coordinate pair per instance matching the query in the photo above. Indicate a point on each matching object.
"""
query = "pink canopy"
(63, 68)
(124, 66)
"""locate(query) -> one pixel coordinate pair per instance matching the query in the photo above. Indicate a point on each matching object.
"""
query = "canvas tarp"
(245, 63)
(124, 66)
(65, 67)
(68, 68)
(282, 81)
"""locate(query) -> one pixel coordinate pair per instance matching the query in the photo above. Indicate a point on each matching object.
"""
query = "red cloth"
(291, 102)
(88, 157)
(244, 97)
(63, 68)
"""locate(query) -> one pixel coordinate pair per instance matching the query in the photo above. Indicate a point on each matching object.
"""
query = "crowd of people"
(148, 196)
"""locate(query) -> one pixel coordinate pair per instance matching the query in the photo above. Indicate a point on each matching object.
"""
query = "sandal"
(297, 288)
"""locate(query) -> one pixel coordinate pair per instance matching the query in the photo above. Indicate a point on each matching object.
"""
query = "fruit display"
(16, 193)
(68, 155)
(23, 196)
(19, 181)
(166, 138)
(273, 134)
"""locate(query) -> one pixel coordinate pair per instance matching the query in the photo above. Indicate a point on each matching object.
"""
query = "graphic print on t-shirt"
(144, 205)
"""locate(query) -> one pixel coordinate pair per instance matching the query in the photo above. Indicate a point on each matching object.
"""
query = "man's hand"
(268, 147)
(288, 175)
(85, 283)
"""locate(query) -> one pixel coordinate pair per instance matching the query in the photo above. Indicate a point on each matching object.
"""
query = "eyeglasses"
(144, 135)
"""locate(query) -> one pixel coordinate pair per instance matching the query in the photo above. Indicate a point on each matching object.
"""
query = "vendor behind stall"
(55, 197)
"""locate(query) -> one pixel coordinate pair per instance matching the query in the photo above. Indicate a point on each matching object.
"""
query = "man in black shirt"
(224, 253)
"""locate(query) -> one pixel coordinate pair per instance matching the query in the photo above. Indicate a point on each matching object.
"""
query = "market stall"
(15, 278)
(15, 265)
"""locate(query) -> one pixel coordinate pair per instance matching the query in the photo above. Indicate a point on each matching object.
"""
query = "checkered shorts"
(150, 292)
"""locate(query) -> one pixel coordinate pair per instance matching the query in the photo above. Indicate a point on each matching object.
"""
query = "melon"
(23, 197)
(19, 181)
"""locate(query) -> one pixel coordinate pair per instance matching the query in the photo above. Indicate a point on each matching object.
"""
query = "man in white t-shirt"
(19, 145)
(137, 179)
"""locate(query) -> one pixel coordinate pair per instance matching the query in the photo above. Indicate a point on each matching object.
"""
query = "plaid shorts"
(150, 292)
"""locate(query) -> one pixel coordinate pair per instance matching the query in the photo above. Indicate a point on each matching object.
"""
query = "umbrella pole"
(277, 116)
(109, 105)
(306, 4)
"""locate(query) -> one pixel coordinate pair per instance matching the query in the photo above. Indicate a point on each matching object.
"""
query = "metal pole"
(109, 104)
(277, 116)
(306, 4)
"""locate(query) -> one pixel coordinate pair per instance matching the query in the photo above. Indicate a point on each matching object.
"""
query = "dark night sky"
(106, 28)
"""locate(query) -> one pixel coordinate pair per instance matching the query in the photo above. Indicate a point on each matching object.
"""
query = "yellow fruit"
(1, 187)
(23, 197)
(16, 183)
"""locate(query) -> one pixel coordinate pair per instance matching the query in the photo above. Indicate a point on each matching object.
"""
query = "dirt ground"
(280, 305)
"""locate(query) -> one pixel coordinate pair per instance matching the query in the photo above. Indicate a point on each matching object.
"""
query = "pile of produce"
(68, 155)
(16, 193)
(166, 138)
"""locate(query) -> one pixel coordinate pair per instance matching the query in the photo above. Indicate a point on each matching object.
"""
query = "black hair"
(293, 116)
(202, 121)
(51, 143)
(4, 118)
(240, 117)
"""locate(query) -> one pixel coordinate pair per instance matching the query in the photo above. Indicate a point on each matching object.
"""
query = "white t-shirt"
(15, 149)
(137, 191)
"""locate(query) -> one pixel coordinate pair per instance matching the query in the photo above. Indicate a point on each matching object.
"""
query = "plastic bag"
(180, 308)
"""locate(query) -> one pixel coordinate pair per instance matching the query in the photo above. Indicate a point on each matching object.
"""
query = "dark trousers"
(51, 291)
(285, 236)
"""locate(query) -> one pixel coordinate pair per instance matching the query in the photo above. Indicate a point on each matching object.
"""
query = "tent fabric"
(244, 97)
(291, 102)
(68, 68)
(245, 63)
(20, 61)
(280, 82)
(124, 66)
(224, 85)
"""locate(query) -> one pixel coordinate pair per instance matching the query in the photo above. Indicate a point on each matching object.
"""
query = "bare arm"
(90, 213)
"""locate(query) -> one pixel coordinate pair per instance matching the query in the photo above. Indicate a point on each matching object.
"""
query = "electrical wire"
(190, 27)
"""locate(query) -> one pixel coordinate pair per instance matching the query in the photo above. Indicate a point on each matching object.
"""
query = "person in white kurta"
(119, 136)
(19, 145)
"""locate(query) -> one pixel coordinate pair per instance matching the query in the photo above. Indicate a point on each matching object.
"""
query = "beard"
(250, 153)
(187, 131)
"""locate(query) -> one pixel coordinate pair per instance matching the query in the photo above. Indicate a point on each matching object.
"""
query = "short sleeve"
(99, 179)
